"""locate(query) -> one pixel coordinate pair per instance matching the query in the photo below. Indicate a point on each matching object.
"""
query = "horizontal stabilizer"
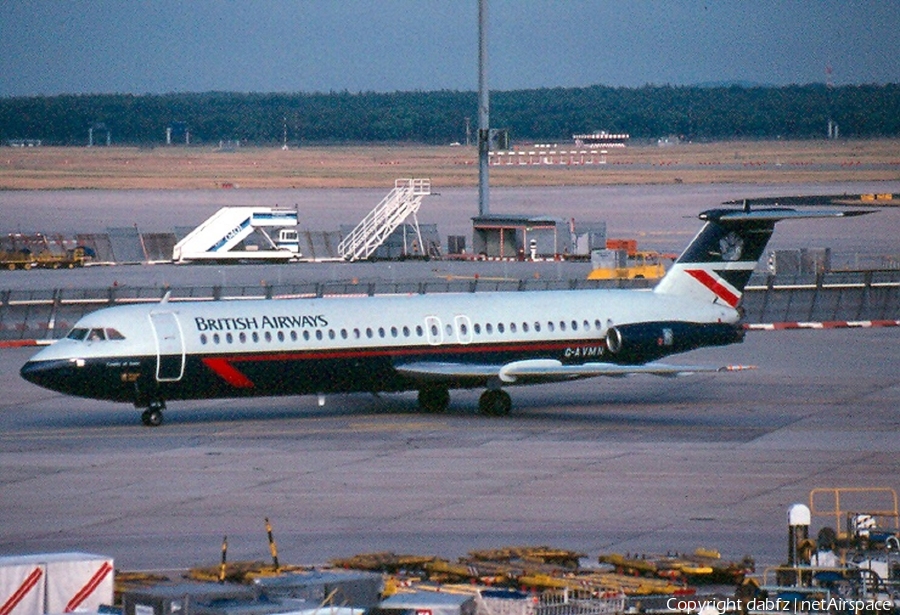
(883, 199)
(776, 214)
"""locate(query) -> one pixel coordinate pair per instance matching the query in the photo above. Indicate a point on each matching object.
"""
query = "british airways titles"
(250, 323)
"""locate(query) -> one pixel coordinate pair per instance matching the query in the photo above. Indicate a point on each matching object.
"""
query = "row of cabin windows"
(488, 328)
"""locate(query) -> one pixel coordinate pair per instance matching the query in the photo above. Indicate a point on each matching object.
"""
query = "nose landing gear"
(153, 416)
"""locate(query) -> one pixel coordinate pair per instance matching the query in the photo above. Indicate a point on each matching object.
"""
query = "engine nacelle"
(648, 341)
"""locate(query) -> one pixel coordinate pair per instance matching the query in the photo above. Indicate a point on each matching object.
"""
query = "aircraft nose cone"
(43, 373)
(31, 372)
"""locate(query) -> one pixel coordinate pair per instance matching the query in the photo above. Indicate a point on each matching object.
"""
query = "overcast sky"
(159, 46)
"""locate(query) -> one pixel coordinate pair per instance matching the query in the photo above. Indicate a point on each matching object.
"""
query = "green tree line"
(794, 112)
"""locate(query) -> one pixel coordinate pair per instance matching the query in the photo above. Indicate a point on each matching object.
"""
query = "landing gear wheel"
(495, 402)
(434, 399)
(153, 416)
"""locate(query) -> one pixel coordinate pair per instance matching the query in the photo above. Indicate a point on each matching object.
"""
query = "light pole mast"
(484, 141)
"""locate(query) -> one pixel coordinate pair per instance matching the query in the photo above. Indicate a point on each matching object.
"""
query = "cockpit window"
(96, 334)
(77, 334)
(113, 334)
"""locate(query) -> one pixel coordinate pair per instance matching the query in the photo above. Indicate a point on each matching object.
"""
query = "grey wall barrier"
(873, 295)
(870, 295)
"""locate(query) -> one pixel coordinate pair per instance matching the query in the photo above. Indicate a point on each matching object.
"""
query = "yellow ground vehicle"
(622, 261)
(25, 259)
(16, 260)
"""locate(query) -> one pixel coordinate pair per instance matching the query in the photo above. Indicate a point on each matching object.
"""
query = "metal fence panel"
(126, 244)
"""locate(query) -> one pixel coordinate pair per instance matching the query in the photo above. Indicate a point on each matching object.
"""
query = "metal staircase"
(400, 203)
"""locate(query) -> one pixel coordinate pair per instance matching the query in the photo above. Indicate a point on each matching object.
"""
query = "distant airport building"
(24, 142)
(601, 139)
(524, 236)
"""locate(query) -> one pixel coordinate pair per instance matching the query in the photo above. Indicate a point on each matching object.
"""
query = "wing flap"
(537, 370)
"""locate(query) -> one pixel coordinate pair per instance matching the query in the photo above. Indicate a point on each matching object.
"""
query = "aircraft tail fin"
(718, 263)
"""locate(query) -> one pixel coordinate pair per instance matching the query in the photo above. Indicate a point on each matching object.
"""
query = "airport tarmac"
(643, 464)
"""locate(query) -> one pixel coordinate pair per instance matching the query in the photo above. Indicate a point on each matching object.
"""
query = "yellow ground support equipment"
(621, 260)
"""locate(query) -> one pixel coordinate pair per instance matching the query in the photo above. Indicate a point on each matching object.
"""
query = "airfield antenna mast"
(484, 141)
(829, 87)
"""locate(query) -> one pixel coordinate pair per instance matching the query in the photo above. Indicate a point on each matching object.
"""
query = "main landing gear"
(434, 399)
(495, 402)
(153, 416)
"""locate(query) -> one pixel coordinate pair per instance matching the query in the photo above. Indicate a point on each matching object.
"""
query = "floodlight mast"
(484, 140)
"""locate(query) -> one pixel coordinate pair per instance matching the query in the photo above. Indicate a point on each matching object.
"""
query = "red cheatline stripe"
(714, 285)
(228, 372)
(444, 348)
(20, 593)
(89, 588)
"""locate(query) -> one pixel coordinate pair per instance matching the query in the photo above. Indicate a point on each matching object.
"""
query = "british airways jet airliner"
(150, 354)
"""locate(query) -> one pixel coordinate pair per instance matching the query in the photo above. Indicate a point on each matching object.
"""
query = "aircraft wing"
(544, 370)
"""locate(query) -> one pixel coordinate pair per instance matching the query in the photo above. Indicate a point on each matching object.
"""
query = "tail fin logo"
(717, 265)
(731, 246)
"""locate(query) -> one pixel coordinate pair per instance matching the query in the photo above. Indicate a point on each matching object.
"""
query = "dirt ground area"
(200, 167)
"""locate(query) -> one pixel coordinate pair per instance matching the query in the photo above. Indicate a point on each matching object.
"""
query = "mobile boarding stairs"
(219, 238)
(400, 203)
(223, 237)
